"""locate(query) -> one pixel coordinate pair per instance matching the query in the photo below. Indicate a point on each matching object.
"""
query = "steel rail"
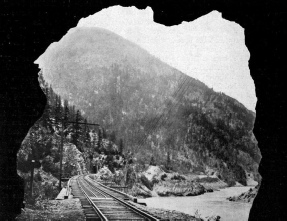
(136, 210)
(104, 195)
(99, 190)
(97, 210)
(111, 189)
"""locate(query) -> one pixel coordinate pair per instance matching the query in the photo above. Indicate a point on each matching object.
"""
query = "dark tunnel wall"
(28, 28)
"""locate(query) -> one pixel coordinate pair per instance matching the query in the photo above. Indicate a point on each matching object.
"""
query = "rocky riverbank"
(167, 214)
(246, 197)
(152, 182)
(211, 183)
(179, 188)
(156, 182)
(70, 209)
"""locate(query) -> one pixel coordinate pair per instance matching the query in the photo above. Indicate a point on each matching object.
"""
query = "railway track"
(101, 203)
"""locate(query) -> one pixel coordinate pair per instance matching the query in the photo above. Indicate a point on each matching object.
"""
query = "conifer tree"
(45, 119)
(95, 140)
(152, 161)
(66, 116)
(87, 140)
(168, 160)
(121, 146)
(72, 111)
(52, 96)
(104, 134)
(58, 111)
(113, 137)
(85, 136)
(100, 137)
(77, 131)
(55, 107)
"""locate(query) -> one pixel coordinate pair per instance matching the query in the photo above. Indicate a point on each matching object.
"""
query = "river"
(208, 204)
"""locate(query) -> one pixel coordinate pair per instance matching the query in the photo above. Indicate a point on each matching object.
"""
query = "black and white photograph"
(140, 121)
(159, 118)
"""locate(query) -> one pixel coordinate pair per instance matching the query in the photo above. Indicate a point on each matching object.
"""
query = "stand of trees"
(42, 143)
(43, 140)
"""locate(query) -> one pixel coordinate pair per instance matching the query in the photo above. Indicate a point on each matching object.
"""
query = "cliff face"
(157, 110)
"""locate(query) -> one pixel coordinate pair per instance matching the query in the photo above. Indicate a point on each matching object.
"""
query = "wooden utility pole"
(61, 154)
(62, 147)
(32, 177)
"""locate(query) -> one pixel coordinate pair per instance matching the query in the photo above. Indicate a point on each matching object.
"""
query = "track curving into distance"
(102, 203)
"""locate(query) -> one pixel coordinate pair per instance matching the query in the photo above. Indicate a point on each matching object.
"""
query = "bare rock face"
(141, 190)
(104, 174)
(73, 158)
(154, 173)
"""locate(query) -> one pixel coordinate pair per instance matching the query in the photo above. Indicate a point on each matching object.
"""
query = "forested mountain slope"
(155, 109)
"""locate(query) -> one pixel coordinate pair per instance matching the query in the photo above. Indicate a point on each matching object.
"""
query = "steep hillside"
(155, 109)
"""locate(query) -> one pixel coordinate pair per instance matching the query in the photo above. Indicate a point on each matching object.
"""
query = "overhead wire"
(177, 95)
(187, 86)
(175, 105)
(160, 115)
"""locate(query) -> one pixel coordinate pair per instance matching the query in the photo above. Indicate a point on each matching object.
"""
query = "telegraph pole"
(62, 147)
(32, 177)
(61, 154)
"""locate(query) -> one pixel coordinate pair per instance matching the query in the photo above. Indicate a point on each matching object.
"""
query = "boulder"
(141, 190)
(153, 173)
(214, 218)
(250, 181)
(247, 197)
(178, 188)
(104, 174)
(169, 184)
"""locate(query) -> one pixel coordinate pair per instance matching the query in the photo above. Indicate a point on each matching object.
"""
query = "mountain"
(158, 111)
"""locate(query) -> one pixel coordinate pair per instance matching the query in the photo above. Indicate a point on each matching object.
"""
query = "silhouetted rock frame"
(29, 27)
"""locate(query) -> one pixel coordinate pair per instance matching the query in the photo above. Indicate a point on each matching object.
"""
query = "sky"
(210, 48)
